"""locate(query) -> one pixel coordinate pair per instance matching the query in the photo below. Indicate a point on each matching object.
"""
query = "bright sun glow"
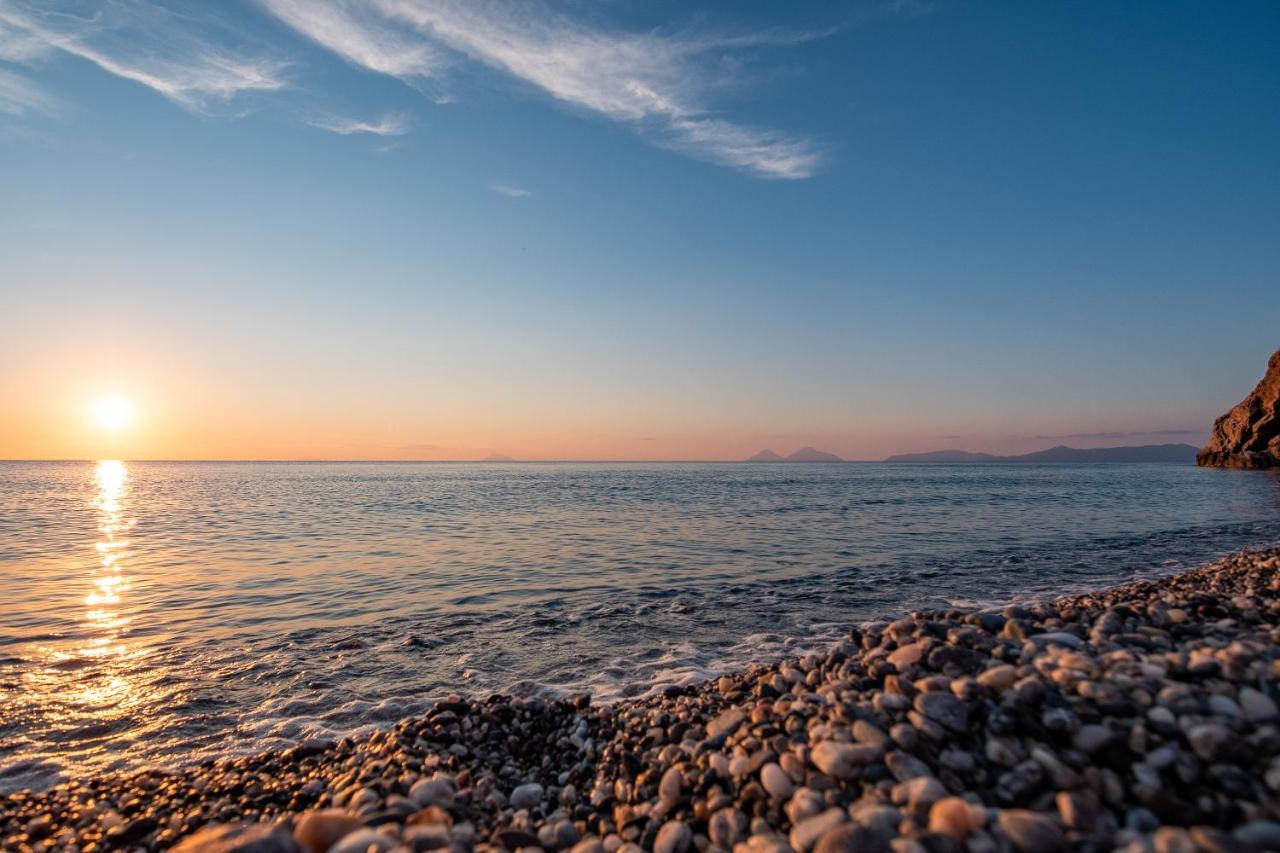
(112, 413)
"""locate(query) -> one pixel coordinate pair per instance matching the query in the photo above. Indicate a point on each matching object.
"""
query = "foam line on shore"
(1142, 715)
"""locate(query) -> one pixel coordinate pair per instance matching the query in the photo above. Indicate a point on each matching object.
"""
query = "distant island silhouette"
(497, 457)
(1183, 453)
(804, 454)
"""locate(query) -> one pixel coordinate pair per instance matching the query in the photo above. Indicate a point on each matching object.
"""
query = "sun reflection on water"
(89, 682)
(109, 581)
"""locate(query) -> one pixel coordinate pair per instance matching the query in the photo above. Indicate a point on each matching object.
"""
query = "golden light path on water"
(91, 683)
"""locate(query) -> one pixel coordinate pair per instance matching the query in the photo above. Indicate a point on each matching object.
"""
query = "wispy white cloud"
(359, 34)
(143, 42)
(20, 97)
(511, 190)
(389, 125)
(657, 83)
(20, 46)
(766, 153)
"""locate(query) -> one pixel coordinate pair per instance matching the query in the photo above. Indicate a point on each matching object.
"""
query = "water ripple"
(161, 612)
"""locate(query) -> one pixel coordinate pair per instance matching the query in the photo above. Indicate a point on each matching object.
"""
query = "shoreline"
(1143, 715)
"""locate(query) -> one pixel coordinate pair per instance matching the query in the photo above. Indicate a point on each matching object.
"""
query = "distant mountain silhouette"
(1183, 453)
(810, 454)
(944, 456)
(804, 454)
(497, 457)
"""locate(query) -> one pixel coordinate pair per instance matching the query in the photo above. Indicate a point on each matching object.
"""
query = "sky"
(421, 229)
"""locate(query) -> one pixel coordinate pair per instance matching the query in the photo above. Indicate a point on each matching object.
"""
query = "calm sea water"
(155, 613)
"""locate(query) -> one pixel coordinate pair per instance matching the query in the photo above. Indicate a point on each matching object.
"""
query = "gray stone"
(526, 796)
(1256, 705)
(945, 709)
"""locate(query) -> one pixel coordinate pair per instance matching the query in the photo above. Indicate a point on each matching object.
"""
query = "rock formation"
(1248, 436)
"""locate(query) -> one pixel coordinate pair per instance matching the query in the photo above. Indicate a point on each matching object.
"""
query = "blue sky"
(635, 230)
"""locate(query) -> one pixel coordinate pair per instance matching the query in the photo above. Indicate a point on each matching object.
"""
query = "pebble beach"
(1142, 717)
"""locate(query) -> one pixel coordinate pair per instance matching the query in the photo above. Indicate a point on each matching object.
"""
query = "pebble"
(437, 790)
(776, 782)
(363, 841)
(1256, 705)
(239, 838)
(1030, 831)
(849, 838)
(526, 796)
(673, 837)
(317, 831)
(945, 709)
(956, 817)
(1058, 638)
(1113, 742)
(1211, 741)
(843, 760)
(805, 834)
(1091, 738)
(999, 677)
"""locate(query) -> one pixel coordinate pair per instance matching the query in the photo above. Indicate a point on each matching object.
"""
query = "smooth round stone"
(851, 838)
(438, 790)
(239, 838)
(1211, 741)
(876, 816)
(864, 732)
(792, 765)
(1029, 831)
(722, 828)
(920, 791)
(726, 723)
(907, 655)
(956, 817)
(1225, 706)
(806, 833)
(843, 760)
(905, 766)
(526, 796)
(1263, 834)
(674, 837)
(363, 797)
(804, 803)
(945, 709)
(363, 841)
(1256, 705)
(1091, 738)
(317, 831)
(776, 781)
(999, 677)
(671, 785)
(1058, 638)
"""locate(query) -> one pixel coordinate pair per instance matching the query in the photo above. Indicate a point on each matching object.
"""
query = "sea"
(155, 613)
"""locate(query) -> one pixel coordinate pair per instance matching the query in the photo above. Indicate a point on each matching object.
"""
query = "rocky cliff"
(1248, 436)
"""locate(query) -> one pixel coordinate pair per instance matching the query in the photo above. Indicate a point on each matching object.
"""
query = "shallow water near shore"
(158, 613)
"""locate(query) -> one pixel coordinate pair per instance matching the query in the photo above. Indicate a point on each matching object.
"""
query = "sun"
(112, 412)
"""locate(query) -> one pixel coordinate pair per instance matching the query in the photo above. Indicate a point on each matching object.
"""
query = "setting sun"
(112, 413)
